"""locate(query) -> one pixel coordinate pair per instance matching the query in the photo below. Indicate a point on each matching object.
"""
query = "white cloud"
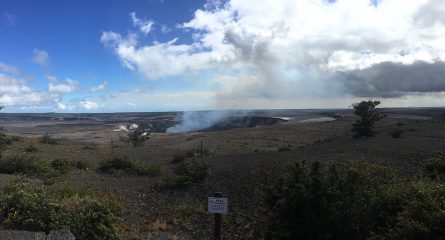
(144, 26)
(9, 70)
(99, 87)
(89, 105)
(293, 46)
(40, 57)
(14, 89)
(68, 86)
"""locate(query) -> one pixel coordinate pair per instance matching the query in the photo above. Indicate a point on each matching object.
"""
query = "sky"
(176, 55)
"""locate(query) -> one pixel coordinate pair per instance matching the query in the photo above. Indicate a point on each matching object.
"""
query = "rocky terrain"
(244, 154)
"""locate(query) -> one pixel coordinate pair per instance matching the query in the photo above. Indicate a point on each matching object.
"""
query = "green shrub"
(130, 167)
(87, 214)
(396, 133)
(192, 170)
(353, 200)
(138, 137)
(31, 148)
(24, 164)
(16, 138)
(6, 141)
(178, 158)
(63, 165)
(152, 170)
(83, 164)
(116, 164)
(47, 139)
(434, 167)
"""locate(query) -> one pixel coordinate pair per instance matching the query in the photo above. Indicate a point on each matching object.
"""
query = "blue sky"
(69, 32)
(163, 55)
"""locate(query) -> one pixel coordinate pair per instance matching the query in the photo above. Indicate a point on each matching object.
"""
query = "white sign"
(218, 205)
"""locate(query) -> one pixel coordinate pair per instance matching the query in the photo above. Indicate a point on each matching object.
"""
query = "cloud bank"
(301, 48)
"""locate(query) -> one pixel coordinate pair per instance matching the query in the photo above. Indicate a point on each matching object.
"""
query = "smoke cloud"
(199, 120)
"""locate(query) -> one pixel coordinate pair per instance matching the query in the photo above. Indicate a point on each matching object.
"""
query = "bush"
(396, 133)
(83, 164)
(31, 148)
(138, 137)
(87, 214)
(24, 164)
(47, 139)
(192, 171)
(4, 140)
(353, 200)
(16, 139)
(116, 164)
(63, 165)
(434, 167)
(178, 158)
(368, 116)
(131, 167)
(152, 170)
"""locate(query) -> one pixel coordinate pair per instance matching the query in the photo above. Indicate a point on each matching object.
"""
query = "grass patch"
(88, 214)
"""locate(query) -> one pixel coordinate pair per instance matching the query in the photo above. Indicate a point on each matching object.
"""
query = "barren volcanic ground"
(244, 155)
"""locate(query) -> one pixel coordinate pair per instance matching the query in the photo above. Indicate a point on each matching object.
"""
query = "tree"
(368, 114)
(137, 137)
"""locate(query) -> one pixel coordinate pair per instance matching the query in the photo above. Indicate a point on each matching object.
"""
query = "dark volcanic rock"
(244, 122)
(62, 234)
(26, 235)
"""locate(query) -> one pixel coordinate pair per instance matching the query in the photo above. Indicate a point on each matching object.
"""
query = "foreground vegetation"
(88, 214)
(357, 200)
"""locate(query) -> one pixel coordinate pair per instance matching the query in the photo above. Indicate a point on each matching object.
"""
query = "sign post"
(218, 206)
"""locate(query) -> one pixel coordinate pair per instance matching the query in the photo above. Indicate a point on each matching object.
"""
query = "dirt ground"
(243, 162)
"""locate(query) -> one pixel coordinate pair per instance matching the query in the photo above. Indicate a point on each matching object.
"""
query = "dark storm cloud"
(394, 79)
